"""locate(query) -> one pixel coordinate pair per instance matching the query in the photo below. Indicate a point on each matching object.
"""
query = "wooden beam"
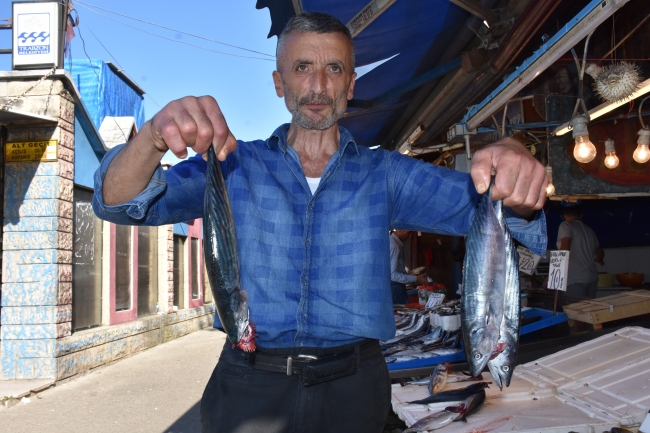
(477, 9)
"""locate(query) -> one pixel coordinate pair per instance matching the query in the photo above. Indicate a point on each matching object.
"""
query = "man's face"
(315, 78)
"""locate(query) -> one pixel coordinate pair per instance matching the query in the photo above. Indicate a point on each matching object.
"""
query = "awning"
(416, 33)
(12, 115)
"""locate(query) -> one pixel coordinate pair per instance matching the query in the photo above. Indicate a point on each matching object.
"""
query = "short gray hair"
(312, 22)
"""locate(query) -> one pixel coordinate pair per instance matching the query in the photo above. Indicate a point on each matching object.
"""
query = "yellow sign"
(31, 151)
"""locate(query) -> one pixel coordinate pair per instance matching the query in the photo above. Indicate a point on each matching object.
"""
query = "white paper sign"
(528, 260)
(558, 270)
(435, 299)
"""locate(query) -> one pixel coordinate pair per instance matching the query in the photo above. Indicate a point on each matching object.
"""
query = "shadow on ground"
(189, 422)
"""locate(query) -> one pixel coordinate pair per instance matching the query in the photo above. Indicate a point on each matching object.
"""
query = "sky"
(168, 69)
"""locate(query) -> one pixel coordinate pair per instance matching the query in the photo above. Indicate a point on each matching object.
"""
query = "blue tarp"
(104, 93)
(417, 31)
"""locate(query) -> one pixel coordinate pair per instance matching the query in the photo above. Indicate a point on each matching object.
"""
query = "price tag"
(528, 260)
(558, 270)
(435, 299)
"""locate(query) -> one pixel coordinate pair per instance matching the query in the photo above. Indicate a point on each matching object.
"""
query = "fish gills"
(503, 365)
(483, 279)
(222, 262)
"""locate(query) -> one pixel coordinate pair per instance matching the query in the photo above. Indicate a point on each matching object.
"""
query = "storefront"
(79, 292)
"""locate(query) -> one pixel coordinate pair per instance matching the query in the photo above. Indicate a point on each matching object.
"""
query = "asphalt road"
(157, 390)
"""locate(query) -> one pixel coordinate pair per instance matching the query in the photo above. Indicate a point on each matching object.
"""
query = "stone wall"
(37, 236)
(89, 349)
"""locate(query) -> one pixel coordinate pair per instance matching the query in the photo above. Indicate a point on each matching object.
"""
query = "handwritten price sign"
(528, 260)
(558, 270)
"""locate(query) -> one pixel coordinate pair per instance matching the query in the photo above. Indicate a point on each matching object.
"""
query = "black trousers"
(240, 399)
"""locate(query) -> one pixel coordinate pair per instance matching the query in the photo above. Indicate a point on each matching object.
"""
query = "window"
(195, 261)
(147, 271)
(123, 275)
(86, 263)
(179, 271)
(196, 269)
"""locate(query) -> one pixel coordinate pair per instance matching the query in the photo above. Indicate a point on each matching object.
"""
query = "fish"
(502, 365)
(462, 377)
(438, 379)
(445, 417)
(222, 261)
(453, 395)
(483, 278)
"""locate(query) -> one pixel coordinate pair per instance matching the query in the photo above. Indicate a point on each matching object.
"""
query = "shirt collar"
(279, 138)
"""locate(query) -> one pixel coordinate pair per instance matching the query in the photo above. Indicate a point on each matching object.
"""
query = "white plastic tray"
(594, 386)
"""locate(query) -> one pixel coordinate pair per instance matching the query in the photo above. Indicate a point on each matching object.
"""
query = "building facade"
(78, 292)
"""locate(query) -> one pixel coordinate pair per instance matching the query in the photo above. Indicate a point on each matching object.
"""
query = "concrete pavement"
(157, 390)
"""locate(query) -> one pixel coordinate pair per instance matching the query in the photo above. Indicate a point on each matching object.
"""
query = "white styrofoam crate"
(597, 385)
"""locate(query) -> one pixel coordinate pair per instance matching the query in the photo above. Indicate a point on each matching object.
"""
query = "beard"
(295, 104)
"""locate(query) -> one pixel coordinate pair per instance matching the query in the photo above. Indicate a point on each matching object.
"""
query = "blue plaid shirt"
(316, 267)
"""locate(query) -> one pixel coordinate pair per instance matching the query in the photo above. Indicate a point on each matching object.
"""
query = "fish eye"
(477, 356)
(505, 368)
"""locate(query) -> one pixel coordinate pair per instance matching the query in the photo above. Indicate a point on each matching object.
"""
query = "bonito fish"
(222, 262)
(483, 281)
(503, 365)
(449, 415)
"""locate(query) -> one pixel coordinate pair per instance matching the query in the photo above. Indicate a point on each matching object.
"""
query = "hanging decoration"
(615, 82)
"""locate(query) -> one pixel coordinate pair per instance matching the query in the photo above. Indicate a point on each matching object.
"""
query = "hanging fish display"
(222, 262)
(491, 303)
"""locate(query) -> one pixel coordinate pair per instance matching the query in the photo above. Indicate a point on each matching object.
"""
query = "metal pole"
(469, 153)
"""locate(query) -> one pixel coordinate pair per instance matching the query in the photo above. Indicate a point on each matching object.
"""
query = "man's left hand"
(520, 179)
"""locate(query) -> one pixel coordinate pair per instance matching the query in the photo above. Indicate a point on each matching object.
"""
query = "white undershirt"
(313, 183)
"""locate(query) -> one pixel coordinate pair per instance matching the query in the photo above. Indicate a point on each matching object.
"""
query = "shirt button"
(304, 318)
(311, 205)
(308, 241)
(304, 280)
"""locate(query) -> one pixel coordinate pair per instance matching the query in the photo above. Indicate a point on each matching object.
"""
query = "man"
(576, 237)
(315, 264)
(398, 278)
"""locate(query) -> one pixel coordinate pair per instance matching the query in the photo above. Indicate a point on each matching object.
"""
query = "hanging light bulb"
(611, 160)
(642, 153)
(550, 188)
(584, 150)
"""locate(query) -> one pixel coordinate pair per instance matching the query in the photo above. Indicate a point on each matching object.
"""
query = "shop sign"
(36, 36)
(435, 299)
(528, 260)
(31, 151)
(558, 270)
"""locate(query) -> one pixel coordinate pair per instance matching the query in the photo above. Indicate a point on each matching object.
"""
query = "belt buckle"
(308, 358)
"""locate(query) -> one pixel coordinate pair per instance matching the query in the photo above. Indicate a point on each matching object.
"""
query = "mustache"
(316, 99)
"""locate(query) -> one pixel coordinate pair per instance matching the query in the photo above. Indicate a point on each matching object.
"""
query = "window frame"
(194, 230)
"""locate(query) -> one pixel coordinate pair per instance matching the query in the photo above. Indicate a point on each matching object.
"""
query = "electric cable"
(88, 5)
(177, 41)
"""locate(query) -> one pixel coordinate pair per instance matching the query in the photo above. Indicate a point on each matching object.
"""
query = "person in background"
(576, 237)
(398, 277)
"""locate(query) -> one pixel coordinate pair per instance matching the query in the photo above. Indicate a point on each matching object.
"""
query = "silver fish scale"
(220, 252)
(483, 279)
(502, 366)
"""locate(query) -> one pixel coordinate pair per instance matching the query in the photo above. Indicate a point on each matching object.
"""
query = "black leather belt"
(318, 369)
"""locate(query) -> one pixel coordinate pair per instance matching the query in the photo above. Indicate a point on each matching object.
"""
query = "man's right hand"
(192, 122)
(187, 122)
